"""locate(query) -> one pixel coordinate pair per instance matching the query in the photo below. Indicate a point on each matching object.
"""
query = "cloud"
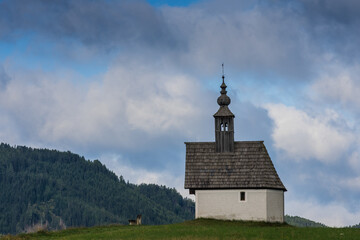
(135, 107)
(333, 27)
(4, 78)
(246, 38)
(351, 183)
(338, 85)
(331, 214)
(354, 160)
(66, 108)
(140, 175)
(104, 24)
(274, 41)
(303, 137)
(283, 40)
(252, 122)
(344, 12)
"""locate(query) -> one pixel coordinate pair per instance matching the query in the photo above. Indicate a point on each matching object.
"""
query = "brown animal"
(137, 221)
(132, 222)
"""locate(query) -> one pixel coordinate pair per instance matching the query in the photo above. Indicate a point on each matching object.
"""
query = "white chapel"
(233, 180)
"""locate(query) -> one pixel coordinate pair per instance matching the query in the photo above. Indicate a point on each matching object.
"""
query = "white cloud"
(139, 175)
(338, 83)
(130, 97)
(354, 161)
(303, 137)
(351, 183)
(331, 214)
(8, 130)
(168, 106)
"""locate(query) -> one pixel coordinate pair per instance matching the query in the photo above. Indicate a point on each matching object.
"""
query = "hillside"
(198, 229)
(41, 187)
(301, 222)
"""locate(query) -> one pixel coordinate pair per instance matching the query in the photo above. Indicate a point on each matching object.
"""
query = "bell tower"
(224, 122)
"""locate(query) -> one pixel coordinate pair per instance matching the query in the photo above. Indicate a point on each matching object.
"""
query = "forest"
(55, 190)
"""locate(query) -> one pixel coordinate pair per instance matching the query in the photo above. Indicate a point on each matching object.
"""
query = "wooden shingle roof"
(249, 166)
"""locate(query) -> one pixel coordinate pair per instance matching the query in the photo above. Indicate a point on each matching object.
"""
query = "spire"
(224, 121)
(223, 100)
(223, 75)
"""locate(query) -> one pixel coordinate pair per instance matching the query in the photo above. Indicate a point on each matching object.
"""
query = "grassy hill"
(43, 188)
(198, 229)
(301, 222)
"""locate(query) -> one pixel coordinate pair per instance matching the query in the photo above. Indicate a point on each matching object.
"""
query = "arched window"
(222, 127)
(226, 127)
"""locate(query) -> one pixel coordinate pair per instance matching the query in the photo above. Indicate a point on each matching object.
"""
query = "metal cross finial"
(223, 75)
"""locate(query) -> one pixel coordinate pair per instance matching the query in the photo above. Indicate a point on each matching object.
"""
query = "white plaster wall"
(260, 205)
(226, 204)
(275, 205)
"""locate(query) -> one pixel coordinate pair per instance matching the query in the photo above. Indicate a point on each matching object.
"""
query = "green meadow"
(197, 229)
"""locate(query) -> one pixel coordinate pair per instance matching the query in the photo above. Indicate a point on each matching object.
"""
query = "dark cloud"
(246, 34)
(277, 39)
(95, 23)
(344, 12)
(333, 27)
(249, 36)
(288, 40)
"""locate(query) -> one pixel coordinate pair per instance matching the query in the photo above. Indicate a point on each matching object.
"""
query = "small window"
(226, 127)
(242, 196)
(222, 127)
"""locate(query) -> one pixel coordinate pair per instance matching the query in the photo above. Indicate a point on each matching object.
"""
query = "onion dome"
(224, 99)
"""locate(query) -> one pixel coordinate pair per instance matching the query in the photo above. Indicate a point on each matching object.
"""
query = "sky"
(128, 82)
